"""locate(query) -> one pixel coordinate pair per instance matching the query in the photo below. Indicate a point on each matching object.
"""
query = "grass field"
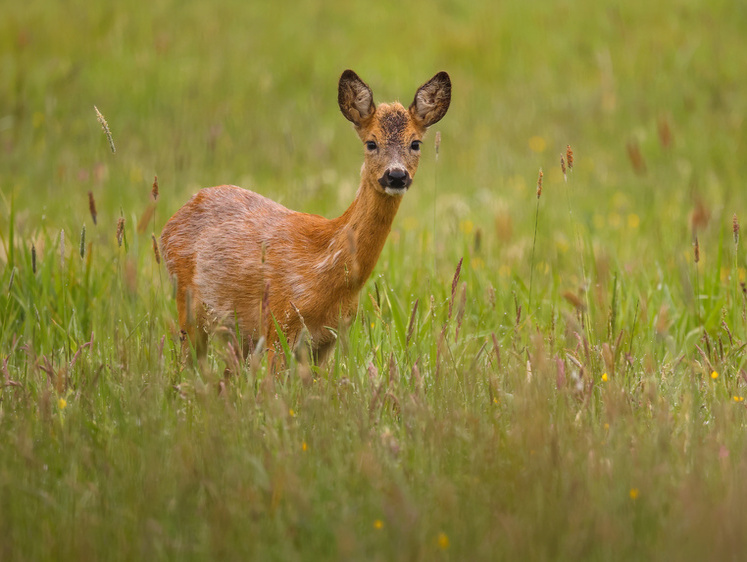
(552, 378)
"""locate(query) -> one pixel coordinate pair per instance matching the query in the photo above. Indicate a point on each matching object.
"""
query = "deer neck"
(364, 227)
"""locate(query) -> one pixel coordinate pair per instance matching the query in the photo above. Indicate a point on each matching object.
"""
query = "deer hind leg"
(191, 323)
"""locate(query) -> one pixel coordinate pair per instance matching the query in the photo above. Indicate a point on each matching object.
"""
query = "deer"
(239, 257)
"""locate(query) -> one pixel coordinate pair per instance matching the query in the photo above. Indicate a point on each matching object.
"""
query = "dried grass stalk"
(105, 126)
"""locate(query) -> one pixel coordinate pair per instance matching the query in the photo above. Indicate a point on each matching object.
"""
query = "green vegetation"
(602, 417)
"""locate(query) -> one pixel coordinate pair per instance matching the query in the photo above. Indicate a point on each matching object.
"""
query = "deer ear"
(432, 100)
(355, 98)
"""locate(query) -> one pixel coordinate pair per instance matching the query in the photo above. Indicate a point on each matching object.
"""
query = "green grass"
(604, 420)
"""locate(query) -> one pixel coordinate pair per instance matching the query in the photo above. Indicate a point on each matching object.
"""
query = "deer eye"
(371, 145)
(415, 145)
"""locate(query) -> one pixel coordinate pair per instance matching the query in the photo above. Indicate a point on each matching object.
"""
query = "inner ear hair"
(432, 100)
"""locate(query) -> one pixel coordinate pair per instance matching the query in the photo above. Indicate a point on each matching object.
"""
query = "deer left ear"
(432, 100)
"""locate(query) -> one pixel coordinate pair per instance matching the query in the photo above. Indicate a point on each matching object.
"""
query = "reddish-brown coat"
(230, 250)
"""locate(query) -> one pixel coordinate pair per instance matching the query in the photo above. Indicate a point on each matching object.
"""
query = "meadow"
(554, 376)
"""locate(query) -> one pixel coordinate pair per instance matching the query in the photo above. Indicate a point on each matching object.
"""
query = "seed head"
(33, 258)
(569, 156)
(454, 285)
(636, 158)
(539, 184)
(562, 167)
(735, 228)
(92, 206)
(120, 230)
(697, 250)
(156, 253)
(83, 242)
(665, 132)
(105, 126)
(154, 191)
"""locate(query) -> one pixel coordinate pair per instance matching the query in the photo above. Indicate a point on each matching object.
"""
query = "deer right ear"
(355, 98)
(432, 100)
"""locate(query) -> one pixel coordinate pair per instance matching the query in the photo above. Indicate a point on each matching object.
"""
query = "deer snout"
(395, 178)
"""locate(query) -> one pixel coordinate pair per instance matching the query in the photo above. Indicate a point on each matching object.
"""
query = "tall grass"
(565, 388)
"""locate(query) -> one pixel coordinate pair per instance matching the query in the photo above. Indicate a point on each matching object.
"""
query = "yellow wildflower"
(378, 524)
(634, 493)
(604, 377)
(443, 541)
(714, 375)
(62, 403)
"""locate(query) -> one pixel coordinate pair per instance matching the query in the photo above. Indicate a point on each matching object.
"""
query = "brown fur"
(231, 250)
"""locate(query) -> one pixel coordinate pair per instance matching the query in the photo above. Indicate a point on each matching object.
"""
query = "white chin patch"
(397, 192)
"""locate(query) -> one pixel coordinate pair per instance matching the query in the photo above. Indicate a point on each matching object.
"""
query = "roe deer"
(238, 256)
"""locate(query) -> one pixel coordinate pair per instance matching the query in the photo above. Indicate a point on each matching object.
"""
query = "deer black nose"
(396, 178)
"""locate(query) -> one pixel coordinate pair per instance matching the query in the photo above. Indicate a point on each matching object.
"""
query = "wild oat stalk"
(735, 232)
(534, 240)
(696, 258)
(154, 196)
(566, 166)
(435, 198)
(62, 250)
(105, 126)
(64, 290)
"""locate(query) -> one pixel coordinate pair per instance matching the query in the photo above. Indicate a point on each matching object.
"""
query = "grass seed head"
(454, 285)
(696, 250)
(92, 206)
(105, 126)
(735, 228)
(665, 132)
(411, 325)
(33, 258)
(569, 156)
(83, 242)
(636, 158)
(154, 190)
(562, 167)
(539, 183)
(156, 253)
(120, 230)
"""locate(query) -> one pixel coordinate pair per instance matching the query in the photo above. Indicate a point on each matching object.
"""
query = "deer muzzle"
(395, 179)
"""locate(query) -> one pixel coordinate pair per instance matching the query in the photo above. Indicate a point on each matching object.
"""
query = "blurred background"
(575, 390)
